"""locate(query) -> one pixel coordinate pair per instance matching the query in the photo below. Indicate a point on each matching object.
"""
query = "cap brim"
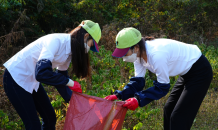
(120, 52)
(95, 47)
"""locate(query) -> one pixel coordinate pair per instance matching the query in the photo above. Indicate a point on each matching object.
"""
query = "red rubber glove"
(111, 97)
(76, 87)
(131, 104)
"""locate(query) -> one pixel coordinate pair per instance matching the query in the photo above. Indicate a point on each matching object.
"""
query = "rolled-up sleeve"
(43, 71)
(161, 86)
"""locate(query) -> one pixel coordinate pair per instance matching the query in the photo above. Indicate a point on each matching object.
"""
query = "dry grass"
(207, 117)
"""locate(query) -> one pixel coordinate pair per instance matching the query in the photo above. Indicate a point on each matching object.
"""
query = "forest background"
(189, 21)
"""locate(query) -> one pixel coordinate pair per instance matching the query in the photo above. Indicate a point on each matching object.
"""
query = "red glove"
(131, 104)
(111, 97)
(76, 87)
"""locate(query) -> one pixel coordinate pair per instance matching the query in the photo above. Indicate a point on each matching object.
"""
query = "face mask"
(131, 58)
(87, 48)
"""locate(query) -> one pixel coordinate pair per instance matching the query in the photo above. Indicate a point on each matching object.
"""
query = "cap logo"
(117, 43)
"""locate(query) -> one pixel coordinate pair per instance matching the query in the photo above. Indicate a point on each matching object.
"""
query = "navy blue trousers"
(27, 105)
(187, 95)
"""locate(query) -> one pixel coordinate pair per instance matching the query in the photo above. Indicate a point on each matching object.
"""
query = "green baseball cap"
(94, 30)
(125, 39)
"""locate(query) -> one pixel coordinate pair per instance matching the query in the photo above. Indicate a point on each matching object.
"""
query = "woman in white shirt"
(34, 65)
(164, 57)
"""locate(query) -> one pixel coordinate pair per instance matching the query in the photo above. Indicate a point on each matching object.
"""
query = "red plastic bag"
(93, 113)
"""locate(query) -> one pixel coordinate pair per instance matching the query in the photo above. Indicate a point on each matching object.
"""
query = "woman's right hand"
(74, 86)
(111, 97)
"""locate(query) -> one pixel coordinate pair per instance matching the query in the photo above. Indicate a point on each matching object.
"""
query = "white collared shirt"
(166, 57)
(54, 47)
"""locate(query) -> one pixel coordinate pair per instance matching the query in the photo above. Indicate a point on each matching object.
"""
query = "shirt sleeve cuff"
(70, 83)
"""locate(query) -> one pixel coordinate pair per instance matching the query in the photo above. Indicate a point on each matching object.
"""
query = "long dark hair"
(80, 59)
(141, 45)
